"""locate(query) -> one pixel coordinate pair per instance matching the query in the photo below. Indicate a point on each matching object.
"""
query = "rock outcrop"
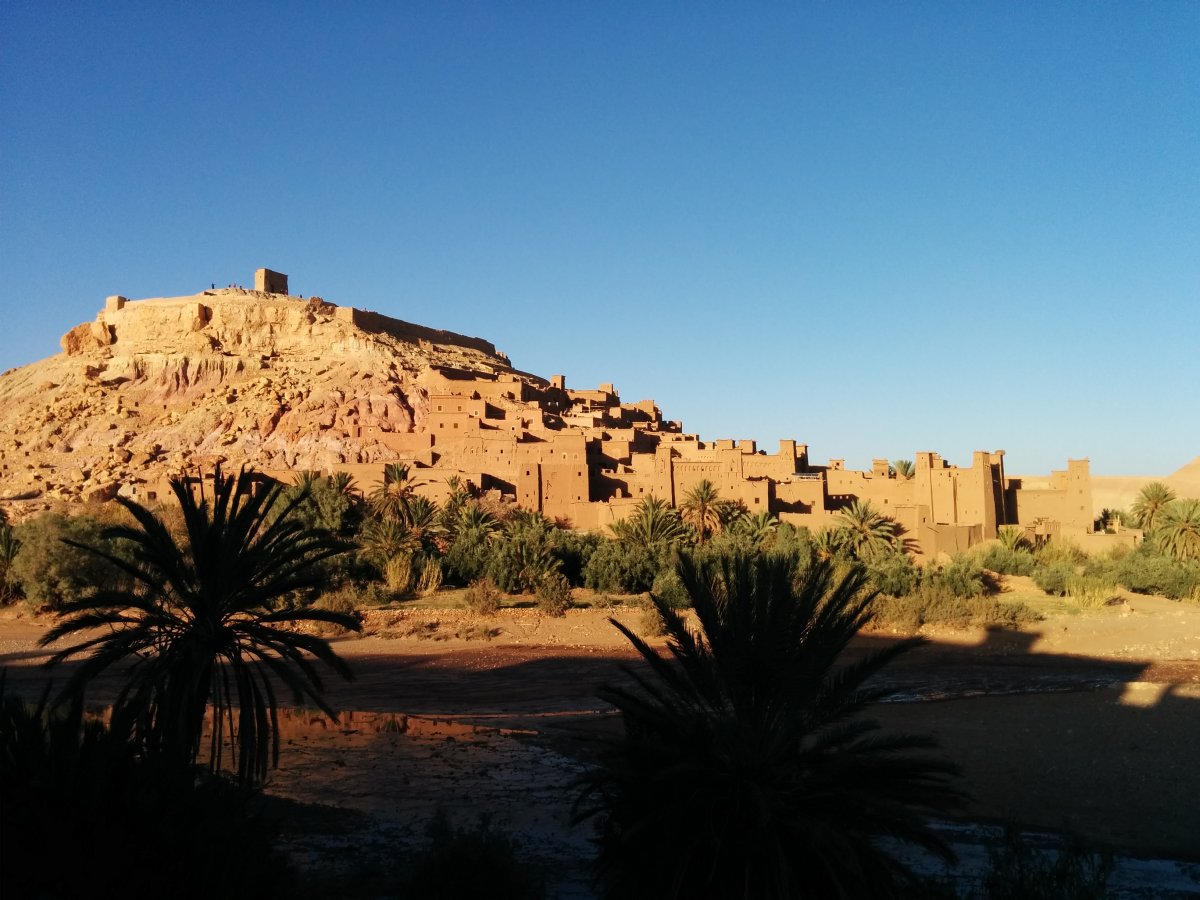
(152, 387)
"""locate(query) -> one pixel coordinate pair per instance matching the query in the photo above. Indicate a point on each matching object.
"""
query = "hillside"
(153, 386)
(1120, 491)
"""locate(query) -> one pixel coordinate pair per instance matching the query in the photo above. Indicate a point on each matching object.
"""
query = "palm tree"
(904, 468)
(701, 508)
(473, 517)
(867, 531)
(830, 543)
(1150, 503)
(758, 527)
(306, 479)
(654, 525)
(454, 504)
(1178, 532)
(203, 623)
(391, 497)
(1012, 537)
(745, 770)
(343, 483)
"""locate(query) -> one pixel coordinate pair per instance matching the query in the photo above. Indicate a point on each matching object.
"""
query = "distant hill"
(1120, 491)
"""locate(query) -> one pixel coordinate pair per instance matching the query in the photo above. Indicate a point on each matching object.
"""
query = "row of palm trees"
(859, 530)
(1172, 524)
(746, 769)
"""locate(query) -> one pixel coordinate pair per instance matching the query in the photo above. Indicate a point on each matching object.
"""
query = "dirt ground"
(1087, 723)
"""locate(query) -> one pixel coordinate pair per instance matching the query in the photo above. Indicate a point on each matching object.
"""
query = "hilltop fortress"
(265, 379)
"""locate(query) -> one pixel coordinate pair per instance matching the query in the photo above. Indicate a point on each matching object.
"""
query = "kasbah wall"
(587, 459)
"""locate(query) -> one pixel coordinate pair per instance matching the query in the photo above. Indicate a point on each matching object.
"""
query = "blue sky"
(875, 228)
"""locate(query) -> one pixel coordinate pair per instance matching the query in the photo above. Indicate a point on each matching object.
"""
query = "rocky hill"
(152, 387)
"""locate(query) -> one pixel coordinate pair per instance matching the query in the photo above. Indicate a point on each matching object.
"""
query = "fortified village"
(280, 384)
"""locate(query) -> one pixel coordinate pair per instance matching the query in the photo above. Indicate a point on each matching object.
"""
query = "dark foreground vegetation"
(746, 769)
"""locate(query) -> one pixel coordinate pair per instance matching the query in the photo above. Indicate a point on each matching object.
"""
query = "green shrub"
(523, 557)
(1008, 561)
(398, 573)
(323, 506)
(1106, 566)
(1147, 572)
(893, 573)
(51, 572)
(789, 539)
(430, 580)
(650, 623)
(468, 557)
(573, 549)
(963, 576)
(1018, 871)
(1059, 551)
(669, 588)
(1089, 590)
(554, 594)
(933, 603)
(1054, 577)
(621, 568)
(468, 863)
(482, 597)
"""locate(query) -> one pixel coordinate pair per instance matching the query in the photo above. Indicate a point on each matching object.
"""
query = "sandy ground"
(1086, 723)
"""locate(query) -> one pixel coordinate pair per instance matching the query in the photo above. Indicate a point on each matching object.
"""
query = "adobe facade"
(586, 458)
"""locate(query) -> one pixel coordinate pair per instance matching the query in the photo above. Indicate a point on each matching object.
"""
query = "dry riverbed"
(1085, 723)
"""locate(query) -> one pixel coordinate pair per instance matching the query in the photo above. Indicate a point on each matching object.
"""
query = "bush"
(1147, 572)
(77, 798)
(523, 557)
(398, 573)
(431, 577)
(668, 587)
(483, 597)
(1020, 872)
(468, 557)
(1007, 561)
(933, 603)
(962, 577)
(650, 623)
(467, 863)
(50, 572)
(1089, 590)
(620, 568)
(573, 549)
(1054, 577)
(343, 601)
(893, 573)
(1060, 551)
(554, 594)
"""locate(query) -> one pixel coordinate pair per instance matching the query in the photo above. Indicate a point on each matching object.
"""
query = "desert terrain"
(1084, 723)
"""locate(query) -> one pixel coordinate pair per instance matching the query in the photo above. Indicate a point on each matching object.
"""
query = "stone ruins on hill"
(153, 388)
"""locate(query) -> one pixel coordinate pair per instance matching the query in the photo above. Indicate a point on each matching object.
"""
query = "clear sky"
(875, 228)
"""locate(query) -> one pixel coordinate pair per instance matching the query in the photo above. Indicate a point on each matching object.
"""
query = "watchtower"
(270, 282)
